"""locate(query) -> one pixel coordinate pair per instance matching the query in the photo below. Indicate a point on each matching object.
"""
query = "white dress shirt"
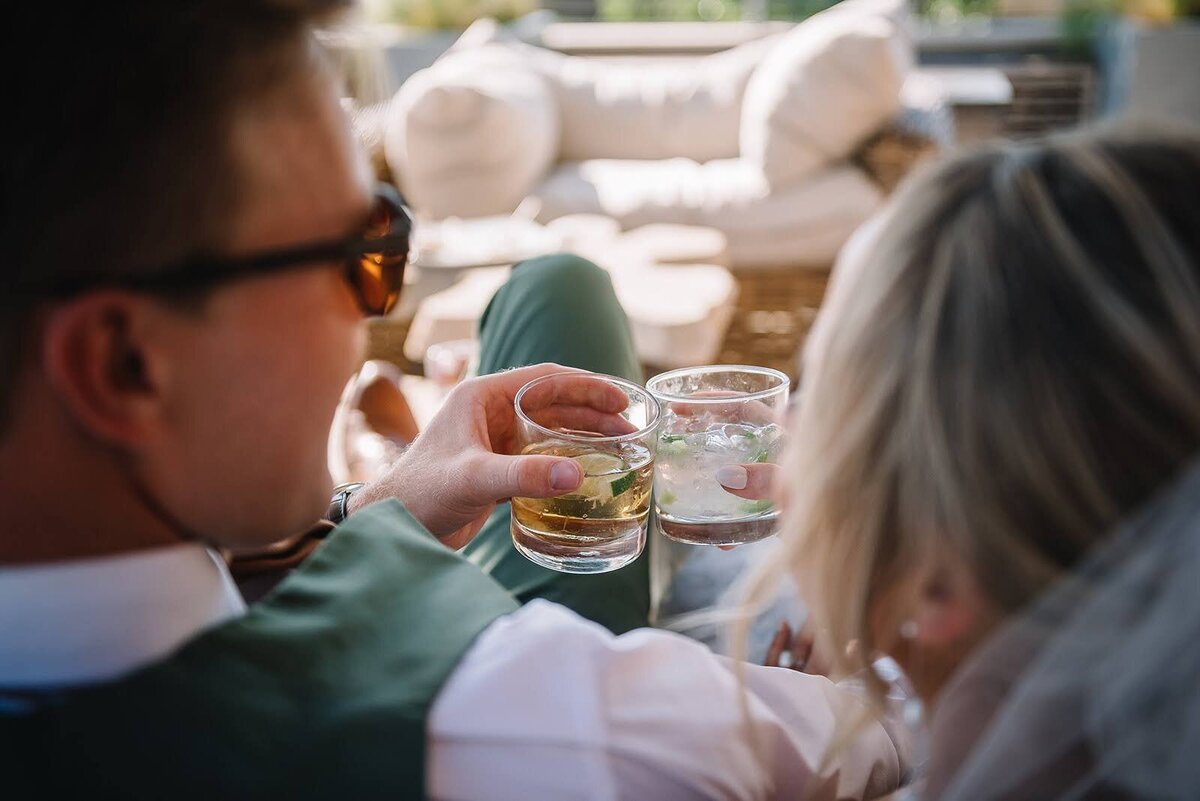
(95, 619)
(544, 705)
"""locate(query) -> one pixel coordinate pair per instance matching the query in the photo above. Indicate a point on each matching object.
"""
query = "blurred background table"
(670, 279)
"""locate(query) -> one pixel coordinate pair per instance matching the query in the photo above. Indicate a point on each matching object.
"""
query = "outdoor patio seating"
(757, 142)
(666, 147)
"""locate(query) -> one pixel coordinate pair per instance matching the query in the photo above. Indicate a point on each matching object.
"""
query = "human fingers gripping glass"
(574, 401)
(716, 419)
(600, 525)
(469, 456)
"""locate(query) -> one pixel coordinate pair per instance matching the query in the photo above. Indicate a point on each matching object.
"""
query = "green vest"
(320, 691)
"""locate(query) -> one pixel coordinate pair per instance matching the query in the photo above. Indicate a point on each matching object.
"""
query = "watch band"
(337, 505)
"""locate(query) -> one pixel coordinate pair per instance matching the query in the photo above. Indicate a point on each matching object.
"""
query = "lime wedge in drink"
(605, 476)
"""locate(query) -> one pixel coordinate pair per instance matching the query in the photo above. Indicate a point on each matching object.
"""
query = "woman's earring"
(909, 630)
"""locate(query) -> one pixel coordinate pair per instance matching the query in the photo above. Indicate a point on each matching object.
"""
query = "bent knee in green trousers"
(560, 309)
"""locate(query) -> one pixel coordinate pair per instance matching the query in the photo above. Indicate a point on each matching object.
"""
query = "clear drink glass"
(609, 426)
(714, 416)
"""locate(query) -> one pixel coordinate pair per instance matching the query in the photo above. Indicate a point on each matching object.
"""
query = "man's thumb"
(531, 476)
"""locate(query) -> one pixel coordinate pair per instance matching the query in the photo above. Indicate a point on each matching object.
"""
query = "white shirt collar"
(95, 619)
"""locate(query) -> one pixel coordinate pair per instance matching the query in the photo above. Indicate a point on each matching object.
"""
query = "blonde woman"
(994, 472)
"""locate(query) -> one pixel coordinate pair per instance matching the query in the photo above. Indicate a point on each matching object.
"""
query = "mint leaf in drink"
(762, 456)
(623, 483)
(673, 444)
(757, 507)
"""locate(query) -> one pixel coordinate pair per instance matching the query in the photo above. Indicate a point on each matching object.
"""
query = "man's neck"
(66, 499)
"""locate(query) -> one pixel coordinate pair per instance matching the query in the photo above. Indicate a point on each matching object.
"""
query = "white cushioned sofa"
(756, 141)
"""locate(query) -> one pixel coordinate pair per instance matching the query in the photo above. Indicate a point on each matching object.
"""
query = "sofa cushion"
(636, 108)
(471, 139)
(827, 85)
(800, 225)
(654, 108)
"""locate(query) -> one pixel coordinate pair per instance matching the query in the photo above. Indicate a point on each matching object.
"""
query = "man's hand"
(463, 463)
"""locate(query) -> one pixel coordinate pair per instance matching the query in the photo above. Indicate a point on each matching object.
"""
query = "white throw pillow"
(472, 136)
(827, 85)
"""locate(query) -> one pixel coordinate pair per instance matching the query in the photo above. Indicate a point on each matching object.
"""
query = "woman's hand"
(464, 462)
(798, 651)
(750, 481)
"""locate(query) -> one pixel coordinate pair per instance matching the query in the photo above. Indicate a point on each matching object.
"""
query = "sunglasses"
(373, 261)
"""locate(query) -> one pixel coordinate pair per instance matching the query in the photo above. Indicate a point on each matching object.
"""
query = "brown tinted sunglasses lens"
(378, 277)
(383, 216)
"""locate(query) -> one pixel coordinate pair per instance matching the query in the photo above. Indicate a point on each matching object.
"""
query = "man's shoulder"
(336, 666)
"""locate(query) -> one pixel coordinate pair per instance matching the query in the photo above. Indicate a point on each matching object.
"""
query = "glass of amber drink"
(608, 426)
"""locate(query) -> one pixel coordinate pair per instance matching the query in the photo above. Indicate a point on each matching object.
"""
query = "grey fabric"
(697, 587)
(1094, 691)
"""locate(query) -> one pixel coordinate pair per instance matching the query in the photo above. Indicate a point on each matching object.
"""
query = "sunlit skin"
(138, 424)
(125, 391)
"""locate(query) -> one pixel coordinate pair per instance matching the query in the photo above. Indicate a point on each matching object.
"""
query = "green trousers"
(560, 309)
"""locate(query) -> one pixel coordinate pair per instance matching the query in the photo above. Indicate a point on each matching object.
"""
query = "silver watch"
(337, 505)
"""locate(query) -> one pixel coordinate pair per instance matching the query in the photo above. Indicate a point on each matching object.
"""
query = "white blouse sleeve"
(547, 705)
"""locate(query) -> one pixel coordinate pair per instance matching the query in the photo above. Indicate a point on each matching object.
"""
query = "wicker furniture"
(776, 307)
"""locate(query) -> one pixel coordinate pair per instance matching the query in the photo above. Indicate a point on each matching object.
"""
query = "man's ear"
(96, 357)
